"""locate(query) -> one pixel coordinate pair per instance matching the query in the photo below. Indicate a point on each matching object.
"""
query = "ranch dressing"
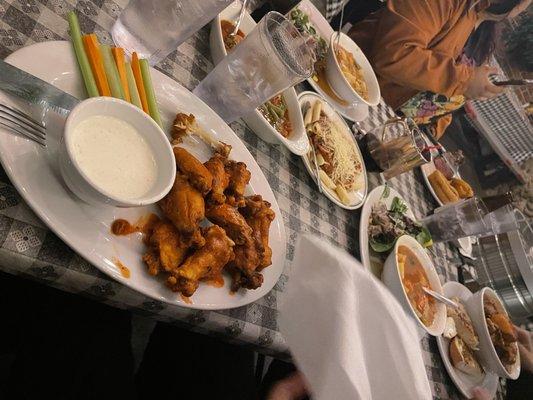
(114, 156)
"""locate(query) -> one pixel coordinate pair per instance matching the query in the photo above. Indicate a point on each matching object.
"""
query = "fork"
(23, 124)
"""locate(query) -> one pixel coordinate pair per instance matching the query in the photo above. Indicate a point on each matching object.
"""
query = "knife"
(34, 90)
(514, 82)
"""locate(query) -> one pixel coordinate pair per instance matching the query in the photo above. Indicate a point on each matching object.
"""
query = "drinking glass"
(397, 146)
(273, 57)
(454, 221)
(154, 28)
(470, 217)
(501, 220)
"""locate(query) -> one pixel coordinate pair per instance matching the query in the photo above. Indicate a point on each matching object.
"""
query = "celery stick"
(111, 72)
(134, 94)
(150, 94)
(83, 61)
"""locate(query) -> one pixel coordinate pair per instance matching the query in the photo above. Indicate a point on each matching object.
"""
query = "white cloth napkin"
(348, 335)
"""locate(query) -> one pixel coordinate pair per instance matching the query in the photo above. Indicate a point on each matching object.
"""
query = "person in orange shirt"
(417, 49)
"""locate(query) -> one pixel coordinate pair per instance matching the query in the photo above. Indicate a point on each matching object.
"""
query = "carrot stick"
(118, 55)
(139, 81)
(92, 48)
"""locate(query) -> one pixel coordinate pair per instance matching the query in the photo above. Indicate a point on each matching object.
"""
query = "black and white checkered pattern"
(507, 125)
(30, 250)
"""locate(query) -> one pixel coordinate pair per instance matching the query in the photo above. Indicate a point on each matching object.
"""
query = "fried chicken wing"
(215, 165)
(205, 263)
(259, 216)
(243, 267)
(184, 206)
(181, 126)
(231, 221)
(166, 249)
(239, 178)
(194, 170)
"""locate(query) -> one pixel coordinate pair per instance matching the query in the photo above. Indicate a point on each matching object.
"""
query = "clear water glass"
(458, 220)
(273, 57)
(155, 28)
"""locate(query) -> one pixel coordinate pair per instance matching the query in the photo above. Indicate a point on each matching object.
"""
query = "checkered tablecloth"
(505, 125)
(29, 249)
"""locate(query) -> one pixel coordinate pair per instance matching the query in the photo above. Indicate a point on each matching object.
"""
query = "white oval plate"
(464, 382)
(297, 141)
(352, 112)
(357, 197)
(464, 244)
(86, 229)
(371, 260)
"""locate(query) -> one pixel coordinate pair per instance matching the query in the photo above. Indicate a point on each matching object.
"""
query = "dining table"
(31, 251)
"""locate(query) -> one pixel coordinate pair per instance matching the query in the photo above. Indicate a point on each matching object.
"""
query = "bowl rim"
(155, 131)
(339, 70)
(287, 141)
(427, 264)
(493, 352)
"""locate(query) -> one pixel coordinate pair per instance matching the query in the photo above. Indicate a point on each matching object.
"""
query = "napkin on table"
(348, 335)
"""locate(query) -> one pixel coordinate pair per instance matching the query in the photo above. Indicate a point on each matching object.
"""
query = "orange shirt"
(413, 46)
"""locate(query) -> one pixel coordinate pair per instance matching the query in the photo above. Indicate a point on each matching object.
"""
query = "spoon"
(241, 16)
(440, 297)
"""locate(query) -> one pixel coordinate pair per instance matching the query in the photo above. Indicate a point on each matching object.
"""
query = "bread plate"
(465, 383)
(464, 244)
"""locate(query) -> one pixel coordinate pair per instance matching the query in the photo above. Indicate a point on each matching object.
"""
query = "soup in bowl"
(407, 271)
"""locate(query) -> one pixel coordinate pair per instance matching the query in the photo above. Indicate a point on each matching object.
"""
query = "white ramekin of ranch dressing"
(113, 153)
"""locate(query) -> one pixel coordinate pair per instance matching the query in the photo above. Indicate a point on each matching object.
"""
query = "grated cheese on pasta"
(346, 164)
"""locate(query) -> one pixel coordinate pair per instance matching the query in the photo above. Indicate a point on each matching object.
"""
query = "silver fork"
(23, 124)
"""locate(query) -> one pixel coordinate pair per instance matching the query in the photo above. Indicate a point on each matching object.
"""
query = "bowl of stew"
(349, 72)
(407, 270)
(280, 119)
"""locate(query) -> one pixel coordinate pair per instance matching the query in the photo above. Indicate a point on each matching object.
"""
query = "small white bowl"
(88, 191)
(487, 353)
(338, 81)
(391, 278)
(297, 142)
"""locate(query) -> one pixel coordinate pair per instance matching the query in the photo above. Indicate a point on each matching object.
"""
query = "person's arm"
(400, 50)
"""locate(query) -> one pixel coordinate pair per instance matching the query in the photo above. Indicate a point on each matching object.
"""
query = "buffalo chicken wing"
(215, 165)
(166, 249)
(194, 170)
(184, 206)
(205, 264)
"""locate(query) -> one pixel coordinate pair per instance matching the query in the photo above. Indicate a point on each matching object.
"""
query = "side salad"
(386, 225)
(302, 23)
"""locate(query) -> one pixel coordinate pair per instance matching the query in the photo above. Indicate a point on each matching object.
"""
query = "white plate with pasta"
(338, 159)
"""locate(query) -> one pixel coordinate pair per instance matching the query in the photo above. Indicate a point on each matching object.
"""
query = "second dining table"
(30, 250)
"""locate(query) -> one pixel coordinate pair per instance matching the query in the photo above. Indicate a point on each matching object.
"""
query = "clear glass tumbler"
(397, 147)
(454, 221)
(154, 28)
(272, 57)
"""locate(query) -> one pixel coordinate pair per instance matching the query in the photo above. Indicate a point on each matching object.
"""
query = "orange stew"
(414, 278)
(275, 110)
(229, 41)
